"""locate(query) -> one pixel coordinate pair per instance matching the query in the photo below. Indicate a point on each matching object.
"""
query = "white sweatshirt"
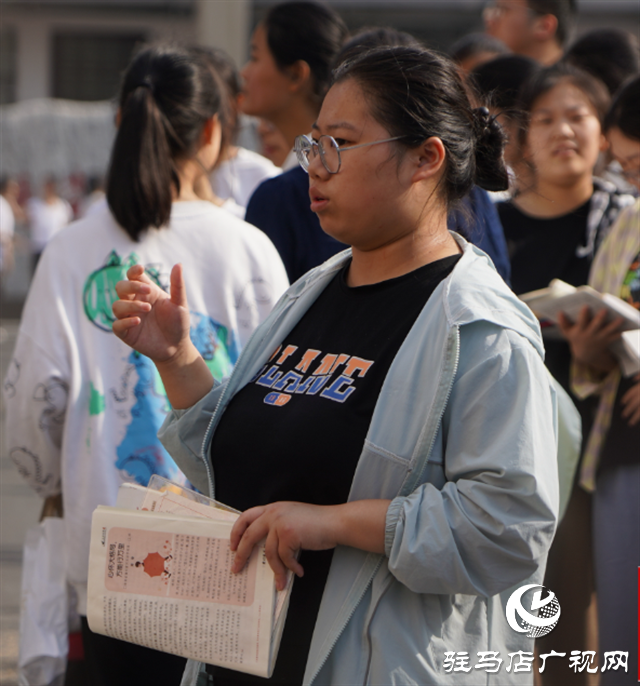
(82, 407)
(238, 177)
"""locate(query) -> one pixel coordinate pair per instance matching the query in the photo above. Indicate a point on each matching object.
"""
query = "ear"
(299, 74)
(604, 143)
(545, 27)
(429, 159)
(211, 131)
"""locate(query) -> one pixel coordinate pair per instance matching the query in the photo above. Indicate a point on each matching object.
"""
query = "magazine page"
(165, 582)
(627, 350)
(548, 303)
(159, 483)
(131, 496)
(167, 496)
(174, 503)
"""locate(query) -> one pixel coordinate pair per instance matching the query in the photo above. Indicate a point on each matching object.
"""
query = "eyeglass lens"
(326, 147)
(329, 153)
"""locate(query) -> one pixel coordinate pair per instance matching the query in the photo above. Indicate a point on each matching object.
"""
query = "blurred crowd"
(570, 109)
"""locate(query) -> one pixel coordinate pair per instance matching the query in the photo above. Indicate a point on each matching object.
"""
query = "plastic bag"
(44, 631)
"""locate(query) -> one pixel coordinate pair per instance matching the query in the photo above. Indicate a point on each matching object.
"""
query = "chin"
(337, 231)
(567, 174)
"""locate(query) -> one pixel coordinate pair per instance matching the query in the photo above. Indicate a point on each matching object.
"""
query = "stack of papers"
(160, 576)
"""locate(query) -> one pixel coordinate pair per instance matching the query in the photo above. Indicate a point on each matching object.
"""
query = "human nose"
(316, 167)
(488, 15)
(244, 72)
(560, 128)
(565, 129)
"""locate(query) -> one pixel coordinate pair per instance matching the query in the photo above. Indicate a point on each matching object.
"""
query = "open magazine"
(559, 296)
(160, 576)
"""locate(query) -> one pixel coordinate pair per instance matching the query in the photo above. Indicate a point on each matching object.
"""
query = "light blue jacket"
(463, 440)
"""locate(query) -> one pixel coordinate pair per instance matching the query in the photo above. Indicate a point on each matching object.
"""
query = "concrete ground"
(19, 509)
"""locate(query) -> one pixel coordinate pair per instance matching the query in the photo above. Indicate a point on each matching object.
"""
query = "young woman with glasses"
(392, 420)
(553, 229)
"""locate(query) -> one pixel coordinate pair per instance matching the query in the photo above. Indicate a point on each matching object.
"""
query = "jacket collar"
(488, 298)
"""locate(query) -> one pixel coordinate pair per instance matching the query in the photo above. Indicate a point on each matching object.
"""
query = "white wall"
(225, 24)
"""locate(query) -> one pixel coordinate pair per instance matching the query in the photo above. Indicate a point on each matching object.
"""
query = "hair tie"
(483, 117)
(145, 83)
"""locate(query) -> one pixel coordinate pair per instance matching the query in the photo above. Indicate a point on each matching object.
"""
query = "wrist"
(185, 354)
(186, 377)
(600, 364)
(338, 524)
(360, 524)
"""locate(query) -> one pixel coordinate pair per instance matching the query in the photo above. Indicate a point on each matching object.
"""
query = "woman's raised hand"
(150, 321)
(157, 325)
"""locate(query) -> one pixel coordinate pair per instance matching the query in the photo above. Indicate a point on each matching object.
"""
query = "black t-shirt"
(296, 431)
(541, 250)
(544, 249)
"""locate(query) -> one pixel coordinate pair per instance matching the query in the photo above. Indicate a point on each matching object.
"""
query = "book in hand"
(627, 350)
(160, 576)
(559, 296)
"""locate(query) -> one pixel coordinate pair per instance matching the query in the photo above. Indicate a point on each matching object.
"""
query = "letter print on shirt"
(292, 371)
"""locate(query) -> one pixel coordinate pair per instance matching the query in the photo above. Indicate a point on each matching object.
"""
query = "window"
(89, 67)
(7, 66)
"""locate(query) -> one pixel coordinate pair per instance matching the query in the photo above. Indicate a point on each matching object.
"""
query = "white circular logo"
(525, 622)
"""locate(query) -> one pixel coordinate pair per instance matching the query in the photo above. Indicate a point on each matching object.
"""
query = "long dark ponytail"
(167, 96)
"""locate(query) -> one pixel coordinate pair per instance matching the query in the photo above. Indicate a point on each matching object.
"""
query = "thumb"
(178, 290)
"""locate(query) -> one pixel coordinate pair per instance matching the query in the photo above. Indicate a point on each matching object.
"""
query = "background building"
(78, 48)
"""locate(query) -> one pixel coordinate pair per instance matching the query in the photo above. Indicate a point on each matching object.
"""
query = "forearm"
(186, 378)
(361, 524)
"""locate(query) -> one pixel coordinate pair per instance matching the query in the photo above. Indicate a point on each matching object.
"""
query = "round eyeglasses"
(492, 10)
(307, 150)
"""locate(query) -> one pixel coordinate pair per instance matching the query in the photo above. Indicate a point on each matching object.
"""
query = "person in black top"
(611, 465)
(553, 229)
(554, 226)
(384, 169)
(293, 50)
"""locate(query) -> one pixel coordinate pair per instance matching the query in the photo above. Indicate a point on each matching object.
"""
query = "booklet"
(160, 576)
(559, 296)
(627, 350)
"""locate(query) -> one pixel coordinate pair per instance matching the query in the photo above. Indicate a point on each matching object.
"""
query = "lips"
(563, 150)
(318, 201)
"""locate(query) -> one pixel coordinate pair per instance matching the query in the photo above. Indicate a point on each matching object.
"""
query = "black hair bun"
(491, 172)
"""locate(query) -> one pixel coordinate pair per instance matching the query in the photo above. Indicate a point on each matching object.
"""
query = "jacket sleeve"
(491, 524)
(182, 434)
(36, 393)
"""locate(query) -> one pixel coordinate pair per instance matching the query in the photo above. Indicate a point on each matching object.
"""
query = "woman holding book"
(611, 463)
(553, 228)
(392, 420)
